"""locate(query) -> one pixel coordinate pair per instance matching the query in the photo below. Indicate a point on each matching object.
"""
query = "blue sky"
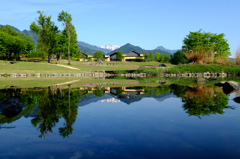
(145, 23)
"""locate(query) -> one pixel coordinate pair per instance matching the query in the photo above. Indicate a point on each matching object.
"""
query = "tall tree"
(119, 55)
(202, 47)
(46, 31)
(159, 57)
(151, 56)
(98, 55)
(67, 19)
(61, 45)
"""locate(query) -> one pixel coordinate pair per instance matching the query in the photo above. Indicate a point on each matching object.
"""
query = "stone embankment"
(205, 75)
(104, 74)
(88, 74)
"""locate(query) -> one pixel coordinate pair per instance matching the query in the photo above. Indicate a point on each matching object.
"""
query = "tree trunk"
(49, 58)
(69, 106)
(69, 58)
(60, 57)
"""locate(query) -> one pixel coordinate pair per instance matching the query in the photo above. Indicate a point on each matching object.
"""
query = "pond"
(165, 121)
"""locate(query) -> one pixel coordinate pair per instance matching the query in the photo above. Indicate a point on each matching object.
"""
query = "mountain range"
(167, 50)
(108, 49)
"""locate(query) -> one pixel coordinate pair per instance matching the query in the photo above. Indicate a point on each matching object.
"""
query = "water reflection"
(56, 103)
(202, 100)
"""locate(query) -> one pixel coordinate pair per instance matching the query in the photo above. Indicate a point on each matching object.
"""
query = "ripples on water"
(120, 122)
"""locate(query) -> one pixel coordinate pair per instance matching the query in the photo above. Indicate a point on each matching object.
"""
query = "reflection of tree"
(69, 111)
(119, 91)
(26, 98)
(157, 91)
(98, 92)
(202, 100)
(56, 105)
(47, 116)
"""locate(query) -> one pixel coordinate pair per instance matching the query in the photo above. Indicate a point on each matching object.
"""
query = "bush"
(179, 58)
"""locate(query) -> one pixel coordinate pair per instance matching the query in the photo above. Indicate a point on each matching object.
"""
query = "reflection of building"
(113, 90)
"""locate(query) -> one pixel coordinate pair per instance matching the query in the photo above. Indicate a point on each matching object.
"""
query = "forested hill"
(87, 50)
(92, 47)
(128, 47)
(27, 33)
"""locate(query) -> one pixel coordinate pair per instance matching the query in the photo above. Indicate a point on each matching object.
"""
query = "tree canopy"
(67, 19)
(46, 31)
(179, 58)
(203, 47)
(98, 55)
(13, 44)
(119, 55)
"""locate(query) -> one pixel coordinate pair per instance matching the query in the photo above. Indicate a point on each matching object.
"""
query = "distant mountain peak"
(167, 50)
(160, 48)
(110, 47)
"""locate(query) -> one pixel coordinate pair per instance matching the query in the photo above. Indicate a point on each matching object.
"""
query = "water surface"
(121, 122)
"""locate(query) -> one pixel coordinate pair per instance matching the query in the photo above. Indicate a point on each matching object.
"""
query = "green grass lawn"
(126, 65)
(30, 82)
(34, 67)
(201, 68)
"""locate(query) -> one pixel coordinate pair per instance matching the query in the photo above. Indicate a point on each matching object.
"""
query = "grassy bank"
(116, 65)
(34, 67)
(193, 68)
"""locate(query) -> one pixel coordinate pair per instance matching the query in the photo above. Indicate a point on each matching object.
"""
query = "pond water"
(120, 122)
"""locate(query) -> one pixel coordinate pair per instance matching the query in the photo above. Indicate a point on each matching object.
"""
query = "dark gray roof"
(85, 54)
(133, 53)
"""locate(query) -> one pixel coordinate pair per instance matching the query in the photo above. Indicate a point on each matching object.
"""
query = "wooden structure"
(130, 55)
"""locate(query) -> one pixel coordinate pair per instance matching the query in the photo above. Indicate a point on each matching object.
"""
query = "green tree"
(119, 55)
(46, 31)
(145, 54)
(61, 45)
(98, 55)
(205, 46)
(166, 58)
(98, 92)
(67, 19)
(159, 57)
(179, 58)
(151, 56)
(13, 44)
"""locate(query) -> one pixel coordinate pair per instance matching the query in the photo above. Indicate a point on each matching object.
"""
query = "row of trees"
(52, 41)
(13, 44)
(158, 57)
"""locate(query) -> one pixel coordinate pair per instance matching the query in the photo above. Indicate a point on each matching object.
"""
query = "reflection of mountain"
(91, 98)
(110, 100)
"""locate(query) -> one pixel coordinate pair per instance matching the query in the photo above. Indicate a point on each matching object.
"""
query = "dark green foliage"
(98, 55)
(159, 57)
(13, 44)
(98, 92)
(47, 33)
(206, 43)
(179, 58)
(119, 91)
(119, 55)
(29, 33)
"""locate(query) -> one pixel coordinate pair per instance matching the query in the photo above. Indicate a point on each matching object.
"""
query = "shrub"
(238, 56)
(179, 58)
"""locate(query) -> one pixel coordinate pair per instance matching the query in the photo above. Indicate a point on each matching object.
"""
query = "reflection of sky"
(143, 129)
